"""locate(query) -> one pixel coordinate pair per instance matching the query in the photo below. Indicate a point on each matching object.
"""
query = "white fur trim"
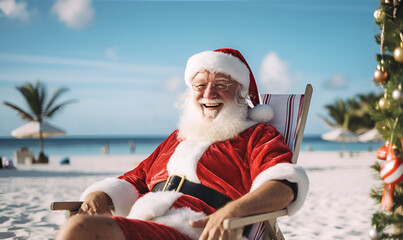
(290, 172)
(179, 220)
(185, 158)
(122, 193)
(153, 204)
(218, 62)
(261, 113)
(156, 207)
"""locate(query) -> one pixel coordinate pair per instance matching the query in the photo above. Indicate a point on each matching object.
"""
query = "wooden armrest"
(234, 223)
(72, 206)
(69, 206)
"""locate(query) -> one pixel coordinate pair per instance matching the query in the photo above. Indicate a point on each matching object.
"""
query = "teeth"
(212, 104)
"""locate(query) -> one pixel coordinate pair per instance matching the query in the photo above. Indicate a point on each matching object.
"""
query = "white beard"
(228, 123)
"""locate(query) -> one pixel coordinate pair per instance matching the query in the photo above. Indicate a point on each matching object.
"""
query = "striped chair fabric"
(287, 109)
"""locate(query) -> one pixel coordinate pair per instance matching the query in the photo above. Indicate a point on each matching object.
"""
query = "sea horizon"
(84, 145)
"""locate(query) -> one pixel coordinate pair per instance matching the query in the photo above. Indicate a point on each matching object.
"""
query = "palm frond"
(54, 97)
(29, 93)
(337, 111)
(353, 105)
(58, 108)
(42, 95)
(24, 115)
(360, 124)
(36, 98)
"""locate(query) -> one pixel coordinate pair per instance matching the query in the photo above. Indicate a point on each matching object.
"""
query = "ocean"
(66, 146)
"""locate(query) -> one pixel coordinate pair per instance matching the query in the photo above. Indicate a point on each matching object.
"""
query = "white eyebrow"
(222, 78)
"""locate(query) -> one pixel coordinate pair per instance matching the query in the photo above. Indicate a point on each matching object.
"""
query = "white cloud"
(173, 84)
(15, 10)
(111, 53)
(274, 74)
(75, 14)
(337, 81)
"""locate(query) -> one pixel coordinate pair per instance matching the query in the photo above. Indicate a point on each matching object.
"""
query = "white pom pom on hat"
(231, 62)
(261, 113)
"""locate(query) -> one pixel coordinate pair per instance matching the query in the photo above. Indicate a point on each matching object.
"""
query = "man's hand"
(270, 196)
(213, 224)
(96, 203)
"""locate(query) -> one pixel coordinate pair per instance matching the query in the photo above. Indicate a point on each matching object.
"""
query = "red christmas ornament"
(387, 197)
(382, 152)
(392, 174)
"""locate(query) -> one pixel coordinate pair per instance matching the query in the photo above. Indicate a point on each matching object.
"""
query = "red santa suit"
(233, 167)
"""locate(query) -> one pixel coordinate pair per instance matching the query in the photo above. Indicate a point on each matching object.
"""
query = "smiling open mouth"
(212, 105)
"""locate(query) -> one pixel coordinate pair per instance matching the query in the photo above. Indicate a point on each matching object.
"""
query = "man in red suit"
(224, 161)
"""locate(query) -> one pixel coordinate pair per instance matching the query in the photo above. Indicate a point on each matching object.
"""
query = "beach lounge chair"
(290, 114)
(21, 156)
(291, 111)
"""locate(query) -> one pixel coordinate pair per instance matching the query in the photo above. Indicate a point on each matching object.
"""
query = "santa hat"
(231, 62)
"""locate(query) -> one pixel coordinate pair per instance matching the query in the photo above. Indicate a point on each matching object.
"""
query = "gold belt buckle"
(183, 177)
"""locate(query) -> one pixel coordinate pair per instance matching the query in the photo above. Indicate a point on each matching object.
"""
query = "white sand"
(338, 205)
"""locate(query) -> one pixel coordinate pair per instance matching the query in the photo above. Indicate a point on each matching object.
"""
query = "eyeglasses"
(218, 86)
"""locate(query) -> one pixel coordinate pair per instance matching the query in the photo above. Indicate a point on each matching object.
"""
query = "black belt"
(180, 184)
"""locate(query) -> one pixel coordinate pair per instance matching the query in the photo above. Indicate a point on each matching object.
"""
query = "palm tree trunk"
(41, 140)
(42, 158)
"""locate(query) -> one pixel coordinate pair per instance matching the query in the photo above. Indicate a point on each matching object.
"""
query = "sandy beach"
(338, 205)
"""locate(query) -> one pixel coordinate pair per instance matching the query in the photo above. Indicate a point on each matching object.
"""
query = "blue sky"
(124, 60)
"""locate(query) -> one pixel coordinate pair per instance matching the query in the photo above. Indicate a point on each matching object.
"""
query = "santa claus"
(224, 161)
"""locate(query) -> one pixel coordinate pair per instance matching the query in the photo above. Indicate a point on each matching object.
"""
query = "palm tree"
(352, 114)
(337, 112)
(367, 103)
(369, 100)
(40, 108)
(358, 121)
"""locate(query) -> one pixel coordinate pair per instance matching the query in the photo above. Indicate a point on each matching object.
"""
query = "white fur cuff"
(122, 193)
(290, 172)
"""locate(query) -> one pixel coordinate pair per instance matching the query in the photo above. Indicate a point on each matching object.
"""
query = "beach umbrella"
(370, 136)
(39, 130)
(34, 129)
(340, 135)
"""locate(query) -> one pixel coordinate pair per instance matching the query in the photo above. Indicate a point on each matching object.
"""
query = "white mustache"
(210, 101)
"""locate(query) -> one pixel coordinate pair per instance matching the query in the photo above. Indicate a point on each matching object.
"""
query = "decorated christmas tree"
(388, 114)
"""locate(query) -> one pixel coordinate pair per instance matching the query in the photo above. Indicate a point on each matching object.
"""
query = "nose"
(210, 92)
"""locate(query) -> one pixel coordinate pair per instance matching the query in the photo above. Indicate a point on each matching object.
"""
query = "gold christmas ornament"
(380, 75)
(379, 16)
(384, 104)
(398, 54)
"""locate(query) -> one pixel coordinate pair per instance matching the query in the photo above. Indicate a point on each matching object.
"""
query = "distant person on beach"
(105, 149)
(132, 146)
(224, 161)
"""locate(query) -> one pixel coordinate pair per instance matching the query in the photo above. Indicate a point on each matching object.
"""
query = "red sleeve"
(266, 148)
